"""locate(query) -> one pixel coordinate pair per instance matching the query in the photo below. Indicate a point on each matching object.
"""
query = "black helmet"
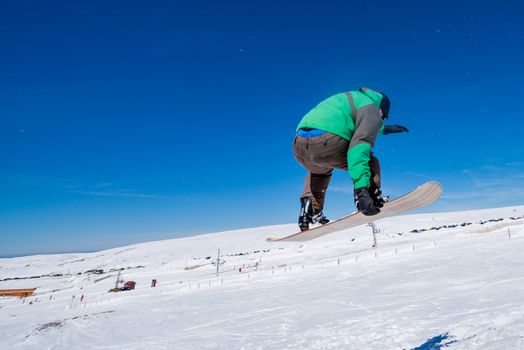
(384, 106)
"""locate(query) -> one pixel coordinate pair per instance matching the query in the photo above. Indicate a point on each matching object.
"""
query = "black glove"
(376, 194)
(365, 203)
(393, 129)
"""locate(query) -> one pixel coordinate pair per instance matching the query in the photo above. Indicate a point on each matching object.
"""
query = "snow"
(453, 287)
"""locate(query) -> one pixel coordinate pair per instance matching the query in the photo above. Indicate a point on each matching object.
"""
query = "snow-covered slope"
(453, 280)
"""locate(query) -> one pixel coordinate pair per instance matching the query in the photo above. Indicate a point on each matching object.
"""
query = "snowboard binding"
(309, 215)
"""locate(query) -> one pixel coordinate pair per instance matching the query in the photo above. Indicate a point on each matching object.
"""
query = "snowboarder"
(339, 133)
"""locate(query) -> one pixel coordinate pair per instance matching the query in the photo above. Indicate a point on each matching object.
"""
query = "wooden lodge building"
(25, 292)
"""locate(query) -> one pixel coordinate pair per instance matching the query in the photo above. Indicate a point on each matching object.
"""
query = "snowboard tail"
(418, 198)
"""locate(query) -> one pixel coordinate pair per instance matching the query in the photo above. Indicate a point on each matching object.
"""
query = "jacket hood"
(379, 99)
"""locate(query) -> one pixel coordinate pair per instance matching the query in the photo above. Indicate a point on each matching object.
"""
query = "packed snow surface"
(434, 281)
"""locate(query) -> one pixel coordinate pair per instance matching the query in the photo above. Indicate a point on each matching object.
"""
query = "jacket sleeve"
(367, 126)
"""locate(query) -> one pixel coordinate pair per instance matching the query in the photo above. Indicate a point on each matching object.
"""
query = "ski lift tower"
(118, 280)
(376, 231)
(218, 262)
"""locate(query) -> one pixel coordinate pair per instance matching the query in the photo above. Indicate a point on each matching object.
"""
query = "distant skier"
(339, 133)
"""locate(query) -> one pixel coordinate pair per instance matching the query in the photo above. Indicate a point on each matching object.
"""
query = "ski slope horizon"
(435, 280)
(419, 211)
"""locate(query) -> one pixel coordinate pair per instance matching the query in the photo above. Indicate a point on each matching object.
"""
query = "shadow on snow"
(436, 343)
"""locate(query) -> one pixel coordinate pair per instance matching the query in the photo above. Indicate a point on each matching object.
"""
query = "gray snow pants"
(320, 155)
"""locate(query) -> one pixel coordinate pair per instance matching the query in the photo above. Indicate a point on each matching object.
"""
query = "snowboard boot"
(309, 215)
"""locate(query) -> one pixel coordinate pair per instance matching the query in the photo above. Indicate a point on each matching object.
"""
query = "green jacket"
(360, 127)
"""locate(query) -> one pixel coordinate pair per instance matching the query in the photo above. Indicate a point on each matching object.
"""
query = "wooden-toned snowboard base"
(419, 197)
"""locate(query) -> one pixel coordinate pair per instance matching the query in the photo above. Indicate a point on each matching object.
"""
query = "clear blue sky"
(128, 121)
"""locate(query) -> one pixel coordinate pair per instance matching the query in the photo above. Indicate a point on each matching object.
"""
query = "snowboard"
(419, 197)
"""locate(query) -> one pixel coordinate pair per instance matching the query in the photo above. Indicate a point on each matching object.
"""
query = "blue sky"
(132, 121)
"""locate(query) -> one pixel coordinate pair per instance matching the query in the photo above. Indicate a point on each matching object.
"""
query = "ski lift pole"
(117, 279)
(218, 261)
(375, 231)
